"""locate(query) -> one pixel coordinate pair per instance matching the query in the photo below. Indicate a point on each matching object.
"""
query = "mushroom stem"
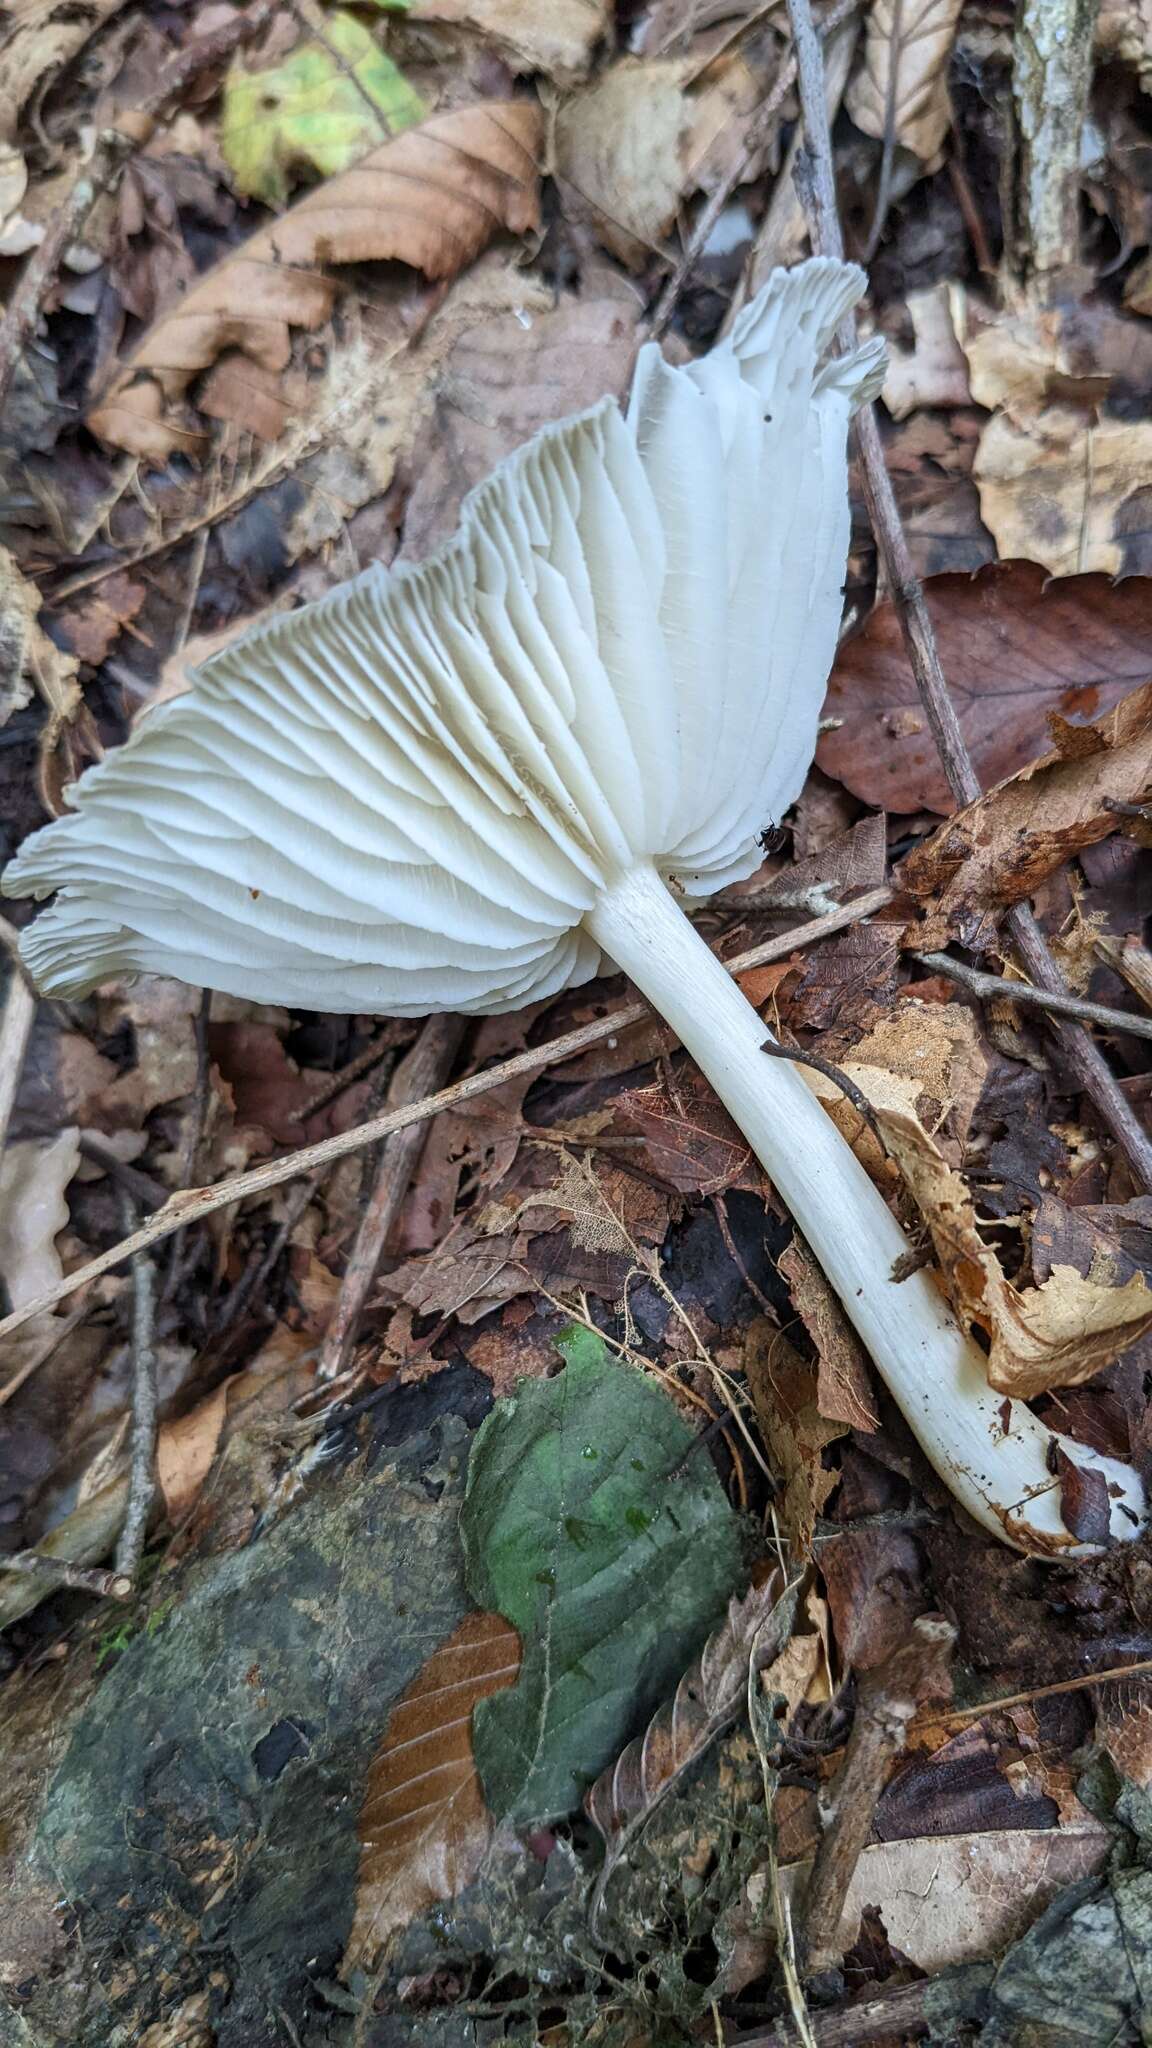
(993, 1453)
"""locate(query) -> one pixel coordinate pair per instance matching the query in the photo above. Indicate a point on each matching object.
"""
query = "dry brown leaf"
(501, 380)
(906, 64)
(629, 147)
(998, 850)
(1061, 490)
(27, 655)
(935, 370)
(1015, 647)
(38, 37)
(1040, 1338)
(557, 37)
(424, 1826)
(431, 197)
(783, 1388)
(685, 1137)
(624, 1796)
(185, 1450)
(843, 1384)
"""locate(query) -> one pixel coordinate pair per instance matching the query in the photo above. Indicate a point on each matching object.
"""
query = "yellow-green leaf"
(319, 110)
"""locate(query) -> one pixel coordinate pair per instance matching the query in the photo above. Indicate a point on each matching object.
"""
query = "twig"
(1090, 1068)
(142, 1472)
(998, 988)
(83, 1537)
(191, 1204)
(1035, 1692)
(252, 1279)
(888, 2018)
(112, 148)
(839, 1079)
(886, 1705)
(149, 1193)
(15, 1031)
(56, 1571)
(419, 1074)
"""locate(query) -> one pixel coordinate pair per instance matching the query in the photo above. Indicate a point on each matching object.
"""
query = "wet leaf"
(1016, 648)
(431, 198)
(596, 1525)
(999, 850)
(906, 54)
(327, 103)
(424, 1826)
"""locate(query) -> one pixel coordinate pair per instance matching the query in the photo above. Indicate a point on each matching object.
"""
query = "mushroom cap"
(407, 796)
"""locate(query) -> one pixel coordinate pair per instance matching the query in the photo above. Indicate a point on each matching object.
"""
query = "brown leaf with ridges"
(431, 197)
(709, 1694)
(424, 1826)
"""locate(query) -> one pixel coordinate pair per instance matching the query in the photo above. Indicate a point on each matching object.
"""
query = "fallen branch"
(51, 1572)
(1091, 1070)
(145, 1414)
(997, 987)
(192, 1204)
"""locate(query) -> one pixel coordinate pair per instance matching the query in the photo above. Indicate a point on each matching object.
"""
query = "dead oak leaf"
(431, 197)
(998, 850)
(1016, 648)
(424, 1826)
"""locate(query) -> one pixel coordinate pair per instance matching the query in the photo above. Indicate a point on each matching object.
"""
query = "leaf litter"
(284, 385)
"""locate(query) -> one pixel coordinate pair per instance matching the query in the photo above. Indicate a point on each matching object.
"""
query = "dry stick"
(1036, 1692)
(885, 1709)
(883, 2019)
(110, 153)
(85, 1536)
(1089, 1067)
(419, 1074)
(145, 1412)
(998, 987)
(192, 1204)
(53, 1571)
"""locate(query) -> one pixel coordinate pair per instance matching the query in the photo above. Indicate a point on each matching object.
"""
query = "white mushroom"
(459, 786)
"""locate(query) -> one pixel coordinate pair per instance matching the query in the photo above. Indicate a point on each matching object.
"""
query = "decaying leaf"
(27, 656)
(321, 107)
(38, 38)
(843, 1383)
(905, 68)
(630, 146)
(424, 1826)
(1040, 1338)
(1000, 849)
(594, 1525)
(557, 38)
(1016, 648)
(34, 1174)
(753, 1633)
(784, 1391)
(430, 198)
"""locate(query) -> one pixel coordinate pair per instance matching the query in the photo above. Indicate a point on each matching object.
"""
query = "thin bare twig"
(886, 1706)
(191, 1204)
(145, 1412)
(1088, 1065)
(111, 151)
(1035, 1692)
(56, 1571)
(839, 1079)
(419, 1074)
(998, 987)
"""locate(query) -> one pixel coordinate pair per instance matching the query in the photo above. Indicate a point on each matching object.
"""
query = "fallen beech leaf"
(1015, 648)
(998, 850)
(322, 106)
(906, 60)
(424, 1826)
(753, 1633)
(430, 198)
(557, 37)
(1059, 490)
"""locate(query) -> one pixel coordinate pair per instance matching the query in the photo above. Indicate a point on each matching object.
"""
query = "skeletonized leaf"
(432, 198)
(424, 1826)
(681, 1729)
(906, 64)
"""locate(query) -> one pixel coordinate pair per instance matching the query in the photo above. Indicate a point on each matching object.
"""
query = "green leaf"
(588, 1525)
(321, 109)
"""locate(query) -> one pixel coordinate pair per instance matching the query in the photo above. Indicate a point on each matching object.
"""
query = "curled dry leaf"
(424, 1826)
(557, 38)
(998, 850)
(905, 69)
(1016, 648)
(753, 1632)
(432, 198)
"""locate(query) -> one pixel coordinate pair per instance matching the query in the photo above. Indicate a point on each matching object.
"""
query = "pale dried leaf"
(34, 1174)
(557, 37)
(38, 38)
(905, 62)
(27, 656)
(1061, 490)
(624, 1796)
(1000, 849)
(424, 1826)
(431, 198)
(935, 370)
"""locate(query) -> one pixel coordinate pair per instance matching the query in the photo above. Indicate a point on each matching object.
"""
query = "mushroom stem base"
(993, 1453)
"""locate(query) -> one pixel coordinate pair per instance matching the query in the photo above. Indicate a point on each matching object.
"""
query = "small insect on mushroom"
(463, 785)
